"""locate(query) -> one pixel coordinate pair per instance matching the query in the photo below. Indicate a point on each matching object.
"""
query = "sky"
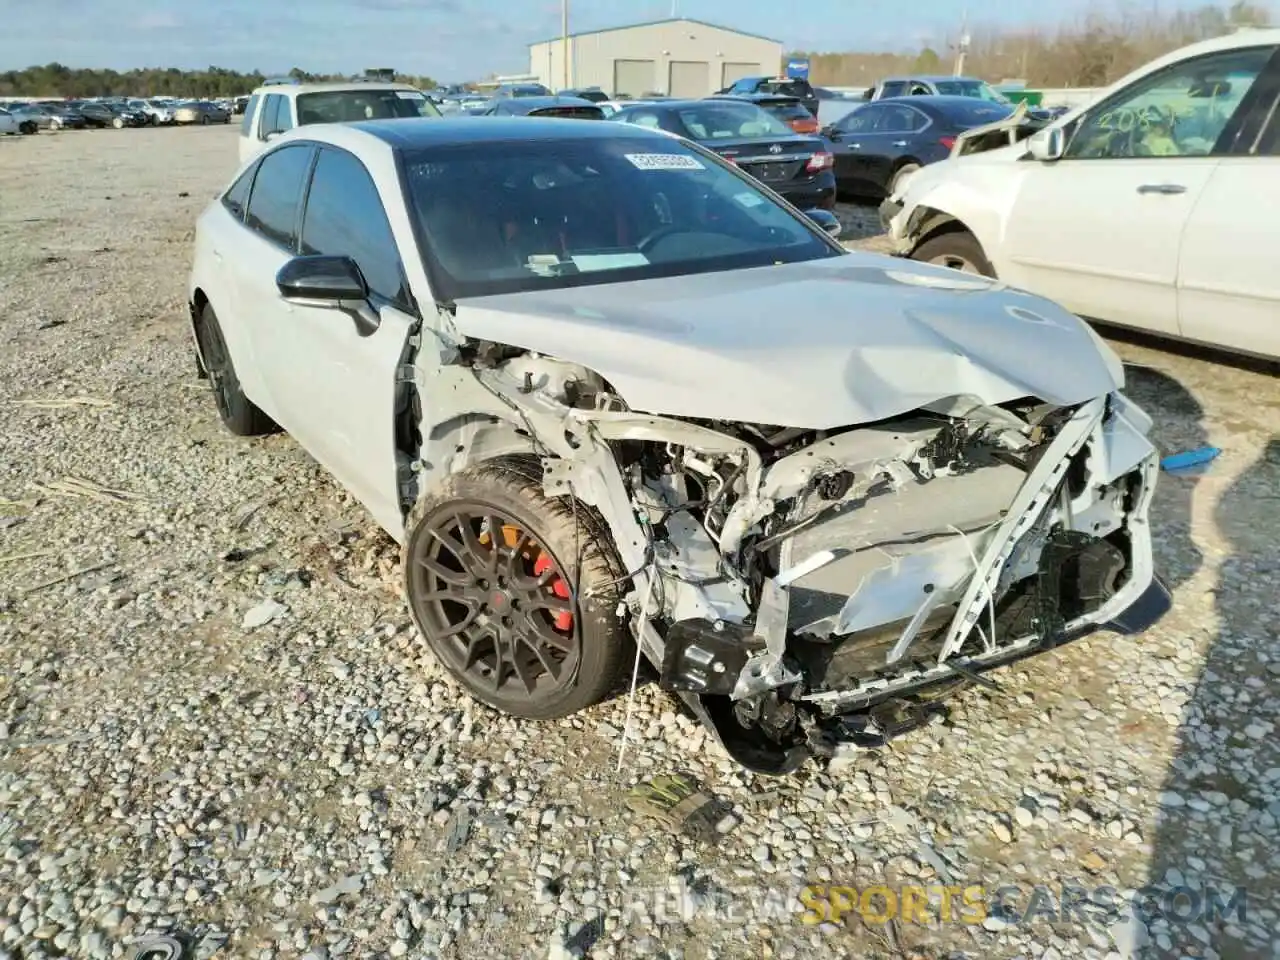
(455, 40)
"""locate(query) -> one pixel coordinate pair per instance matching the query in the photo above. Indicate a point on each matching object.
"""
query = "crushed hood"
(821, 344)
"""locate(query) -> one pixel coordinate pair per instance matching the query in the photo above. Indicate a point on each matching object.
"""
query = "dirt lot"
(313, 786)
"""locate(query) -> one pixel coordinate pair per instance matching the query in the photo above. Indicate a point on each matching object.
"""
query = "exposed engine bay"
(806, 587)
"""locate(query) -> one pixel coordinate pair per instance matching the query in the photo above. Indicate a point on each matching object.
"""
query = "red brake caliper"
(563, 621)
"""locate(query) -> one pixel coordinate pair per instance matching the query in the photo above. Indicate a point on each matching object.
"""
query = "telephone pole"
(963, 46)
(564, 39)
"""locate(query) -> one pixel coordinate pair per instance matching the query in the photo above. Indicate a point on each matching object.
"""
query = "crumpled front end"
(802, 588)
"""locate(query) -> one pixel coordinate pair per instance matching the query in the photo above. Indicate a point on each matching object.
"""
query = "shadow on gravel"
(1178, 426)
(1217, 834)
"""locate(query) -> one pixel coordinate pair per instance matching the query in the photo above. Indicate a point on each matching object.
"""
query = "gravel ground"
(294, 777)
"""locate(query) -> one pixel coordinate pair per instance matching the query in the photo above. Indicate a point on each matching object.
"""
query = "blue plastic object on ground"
(1189, 460)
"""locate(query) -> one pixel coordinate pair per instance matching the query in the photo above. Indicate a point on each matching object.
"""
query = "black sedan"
(100, 115)
(878, 144)
(574, 108)
(795, 166)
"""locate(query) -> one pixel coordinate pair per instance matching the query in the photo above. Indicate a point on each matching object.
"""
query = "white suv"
(281, 105)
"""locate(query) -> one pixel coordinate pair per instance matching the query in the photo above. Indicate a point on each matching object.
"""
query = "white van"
(280, 105)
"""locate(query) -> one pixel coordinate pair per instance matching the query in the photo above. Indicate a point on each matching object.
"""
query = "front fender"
(977, 195)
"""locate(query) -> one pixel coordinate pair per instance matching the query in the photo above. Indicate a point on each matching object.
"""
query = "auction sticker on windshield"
(410, 95)
(664, 161)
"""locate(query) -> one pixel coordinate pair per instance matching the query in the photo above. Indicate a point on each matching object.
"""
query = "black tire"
(239, 414)
(28, 127)
(600, 648)
(903, 171)
(957, 249)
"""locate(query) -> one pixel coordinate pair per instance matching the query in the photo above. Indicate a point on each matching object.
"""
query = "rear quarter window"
(277, 194)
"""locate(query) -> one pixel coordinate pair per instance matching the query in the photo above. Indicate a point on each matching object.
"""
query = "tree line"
(58, 80)
(1091, 51)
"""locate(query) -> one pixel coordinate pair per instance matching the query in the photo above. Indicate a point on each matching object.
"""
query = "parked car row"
(117, 112)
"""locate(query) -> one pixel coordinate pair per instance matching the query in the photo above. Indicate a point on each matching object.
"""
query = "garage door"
(733, 72)
(690, 78)
(633, 77)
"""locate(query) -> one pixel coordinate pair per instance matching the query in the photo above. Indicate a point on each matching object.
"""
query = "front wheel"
(515, 592)
(958, 250)
(55, 124)
(118, 123)
(28, 127)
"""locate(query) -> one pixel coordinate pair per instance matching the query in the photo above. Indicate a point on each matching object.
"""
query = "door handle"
(855, 146)
(1165, 188)
(899, 143)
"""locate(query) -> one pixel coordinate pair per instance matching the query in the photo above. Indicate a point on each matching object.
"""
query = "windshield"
(342, 106)
(547, 214)
(788, 88)
(525, 90)
(970, 88)
(731, 121)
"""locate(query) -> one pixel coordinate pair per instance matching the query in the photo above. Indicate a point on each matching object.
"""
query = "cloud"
(158, 20)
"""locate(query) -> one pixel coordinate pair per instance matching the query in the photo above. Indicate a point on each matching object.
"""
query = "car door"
(1100, 229)
(1228, 284)
(889, 141)
(851, 168)
(334, 387)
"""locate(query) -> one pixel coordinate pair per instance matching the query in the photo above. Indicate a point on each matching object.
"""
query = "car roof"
(334, 87)
(555, 100)
(415, 133)
(930, 78)
(756, 97)
(939, 101)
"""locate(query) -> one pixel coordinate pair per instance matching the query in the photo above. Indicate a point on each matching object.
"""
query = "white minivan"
(280, 105)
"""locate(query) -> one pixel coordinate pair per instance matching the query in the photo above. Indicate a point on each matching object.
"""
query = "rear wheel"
(240, 414)
(959, 250)
(516, 592)
(28, 127)
(55, 124)
(118, 123)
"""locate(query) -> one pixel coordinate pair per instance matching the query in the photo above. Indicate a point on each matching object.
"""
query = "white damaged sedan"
(606, 389)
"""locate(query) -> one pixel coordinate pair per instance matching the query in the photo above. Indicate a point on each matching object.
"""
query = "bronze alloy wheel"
(517, 592)
(496, 603)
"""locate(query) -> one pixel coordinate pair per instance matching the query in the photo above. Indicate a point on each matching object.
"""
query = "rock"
(264, 613)
(1002, 831)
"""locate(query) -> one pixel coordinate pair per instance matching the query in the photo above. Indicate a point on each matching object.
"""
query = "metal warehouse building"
(679, 57)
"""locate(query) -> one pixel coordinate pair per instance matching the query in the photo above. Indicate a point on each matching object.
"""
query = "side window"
(894, 88)
(284, 115)
(898, 119)
(859, 121)
(645, 119)
(920, 90)
(277, 193)
(1180, 111)
(267, 124)
(1268, 144)
(246, 125)
(237, 198)
(345, 218)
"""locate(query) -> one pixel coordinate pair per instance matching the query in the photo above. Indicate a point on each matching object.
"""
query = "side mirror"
(334, 282)
(827, 220)
(832, 134)
(1047, 145)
